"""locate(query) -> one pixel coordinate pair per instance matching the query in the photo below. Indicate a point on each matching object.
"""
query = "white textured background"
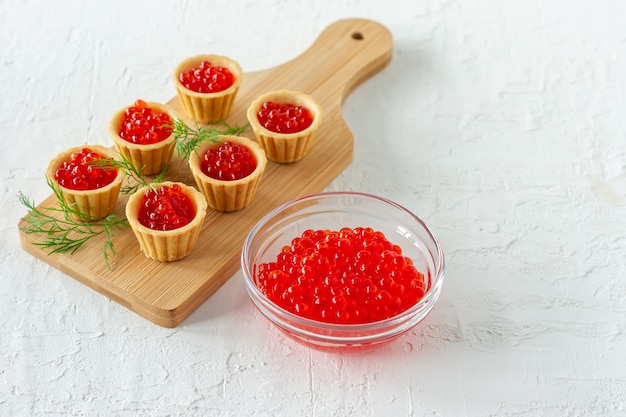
(502, 123)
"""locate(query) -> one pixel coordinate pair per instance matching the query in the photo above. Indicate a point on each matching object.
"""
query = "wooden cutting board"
(344, 55)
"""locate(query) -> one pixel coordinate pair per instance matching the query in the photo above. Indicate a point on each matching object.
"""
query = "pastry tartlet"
(285, 122)
(207, 86)
(166, 218)
(87, 188)
(232, 186)
(142, 133)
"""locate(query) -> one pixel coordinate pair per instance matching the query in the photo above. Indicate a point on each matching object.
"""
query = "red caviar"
(79, 172)
(284, 118)
(207, 78)
(166, 208)
(144, 125)
(228, 162)
(349, 276)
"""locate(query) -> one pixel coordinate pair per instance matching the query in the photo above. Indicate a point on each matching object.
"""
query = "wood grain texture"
(345, 54)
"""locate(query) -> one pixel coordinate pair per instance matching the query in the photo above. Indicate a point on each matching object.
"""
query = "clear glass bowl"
(334, 210)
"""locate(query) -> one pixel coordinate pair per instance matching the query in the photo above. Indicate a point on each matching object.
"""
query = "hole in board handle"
(358, 36)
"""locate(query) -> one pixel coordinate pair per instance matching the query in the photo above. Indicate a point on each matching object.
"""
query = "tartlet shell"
(285, 147)
(169, 245)
(93, 204)
(208, 107)
(234, 195)
(151, 158)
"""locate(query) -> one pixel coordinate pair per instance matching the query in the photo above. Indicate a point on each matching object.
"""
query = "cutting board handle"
(345, 54)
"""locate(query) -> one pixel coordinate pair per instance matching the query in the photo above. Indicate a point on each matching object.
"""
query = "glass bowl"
(335, 210)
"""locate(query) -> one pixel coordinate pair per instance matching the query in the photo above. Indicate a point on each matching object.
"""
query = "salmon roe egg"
(350, 276)
(81, 171)
(166, 208)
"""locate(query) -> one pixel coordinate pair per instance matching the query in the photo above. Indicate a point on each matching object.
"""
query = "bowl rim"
(430, 296)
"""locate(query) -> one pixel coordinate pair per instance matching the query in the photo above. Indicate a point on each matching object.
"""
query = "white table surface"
(501, 123)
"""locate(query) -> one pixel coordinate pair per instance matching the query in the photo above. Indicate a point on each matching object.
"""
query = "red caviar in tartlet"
(207, 86)
(166, 218)
(91, 189)
(166, 208)
(206, 78)
(284, 118)
(145, 125)
(228, 172)
(81, 172)
(285, 123)
(349, 276)
(142, 133)
(228, 162)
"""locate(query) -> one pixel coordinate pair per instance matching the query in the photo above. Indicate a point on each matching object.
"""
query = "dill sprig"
(134, 174)
(188, 139)
(72, 230)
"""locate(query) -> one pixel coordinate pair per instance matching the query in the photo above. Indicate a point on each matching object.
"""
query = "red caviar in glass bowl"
(349, 276)
(342, 269)
(91, 189)
(166, 218)
(142, 133)
(228, 172)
